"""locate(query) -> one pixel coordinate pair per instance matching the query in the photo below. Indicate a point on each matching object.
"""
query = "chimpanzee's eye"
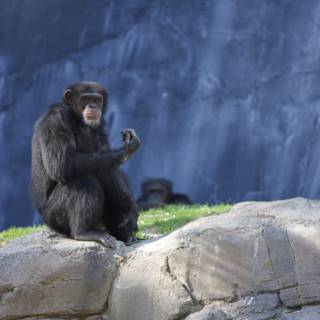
(97, 100)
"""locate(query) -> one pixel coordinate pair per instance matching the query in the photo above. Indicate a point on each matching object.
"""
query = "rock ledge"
(260, 261)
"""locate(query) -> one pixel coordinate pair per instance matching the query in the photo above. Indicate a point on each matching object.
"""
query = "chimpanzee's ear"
(67, 97)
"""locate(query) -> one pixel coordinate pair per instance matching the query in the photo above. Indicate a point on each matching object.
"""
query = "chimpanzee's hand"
(108, 159)
(131, 141)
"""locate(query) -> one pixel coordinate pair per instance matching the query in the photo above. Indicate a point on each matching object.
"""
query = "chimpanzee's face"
(89, 105)
(88, 100)
(158, 195)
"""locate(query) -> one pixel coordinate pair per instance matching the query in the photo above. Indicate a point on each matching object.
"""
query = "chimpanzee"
(76, 183)
(157, 192)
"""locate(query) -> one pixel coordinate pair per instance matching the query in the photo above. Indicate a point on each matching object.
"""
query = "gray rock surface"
(255, 261)
(306, 313)
(207, 314)
(51, 277)
(260, 261)
(224, 93)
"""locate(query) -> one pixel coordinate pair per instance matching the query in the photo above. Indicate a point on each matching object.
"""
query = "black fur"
(77, 185)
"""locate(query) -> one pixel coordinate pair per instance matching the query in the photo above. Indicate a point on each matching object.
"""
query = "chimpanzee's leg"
(121, 210)
(76, 208)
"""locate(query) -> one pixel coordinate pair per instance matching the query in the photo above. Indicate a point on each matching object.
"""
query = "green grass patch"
(15, 232)
(155, 221)
(170, 217)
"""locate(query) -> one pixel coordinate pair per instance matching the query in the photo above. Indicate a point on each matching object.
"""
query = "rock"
(260, 261)
(258, 257)
(260, 307)
(207, 314)
(147, 289)
(306, 313)
(57, 277)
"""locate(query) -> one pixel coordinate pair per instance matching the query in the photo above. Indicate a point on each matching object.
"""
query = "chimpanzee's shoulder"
(57, 110)
(56, 117)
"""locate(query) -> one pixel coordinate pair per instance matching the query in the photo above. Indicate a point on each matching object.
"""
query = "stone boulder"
(46, 276)
(260, 261)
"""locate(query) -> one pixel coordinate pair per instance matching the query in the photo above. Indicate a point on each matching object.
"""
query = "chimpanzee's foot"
(98, 236)
(131, 241)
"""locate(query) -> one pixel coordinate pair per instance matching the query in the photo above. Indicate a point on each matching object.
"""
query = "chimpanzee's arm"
(60, 157)
(94, 162)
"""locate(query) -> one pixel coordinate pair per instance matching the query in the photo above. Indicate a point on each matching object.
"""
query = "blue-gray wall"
(224, 94)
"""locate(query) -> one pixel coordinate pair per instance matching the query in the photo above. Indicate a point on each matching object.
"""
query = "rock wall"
(260, 261)
(224, 94)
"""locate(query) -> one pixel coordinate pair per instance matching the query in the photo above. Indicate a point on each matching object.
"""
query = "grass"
(152, 222)
(171, 217)
(15, 232)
